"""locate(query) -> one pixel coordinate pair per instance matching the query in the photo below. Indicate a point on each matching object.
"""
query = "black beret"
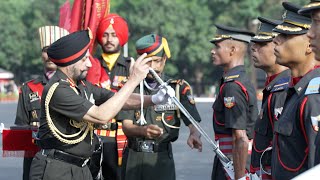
(70, 49)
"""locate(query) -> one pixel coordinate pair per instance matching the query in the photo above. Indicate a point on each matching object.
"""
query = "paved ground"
(190, 164)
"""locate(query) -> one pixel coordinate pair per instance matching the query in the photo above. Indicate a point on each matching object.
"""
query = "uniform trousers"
(146, 166)
(46, 168)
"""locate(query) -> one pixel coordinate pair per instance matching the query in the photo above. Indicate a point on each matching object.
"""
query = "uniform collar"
(304, 81)
(43, 79)
(285, 73)
(234, 70)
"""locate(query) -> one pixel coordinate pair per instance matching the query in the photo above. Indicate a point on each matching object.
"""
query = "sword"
(226, 162)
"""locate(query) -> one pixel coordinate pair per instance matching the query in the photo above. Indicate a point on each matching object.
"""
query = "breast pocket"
(284, 126)
(262, 123)
(170, 118)
(218, 113)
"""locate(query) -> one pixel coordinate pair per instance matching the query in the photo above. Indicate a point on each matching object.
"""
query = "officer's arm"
(236, 117)
(311, 119)
(239, 152)
(150, 131)
(22, 116)
(110, 108)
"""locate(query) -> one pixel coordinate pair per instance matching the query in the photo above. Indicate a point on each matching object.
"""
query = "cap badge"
(111, 21)
(284, 15)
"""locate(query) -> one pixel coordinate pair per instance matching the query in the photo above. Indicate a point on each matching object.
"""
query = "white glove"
(163, 95)
(243, 178)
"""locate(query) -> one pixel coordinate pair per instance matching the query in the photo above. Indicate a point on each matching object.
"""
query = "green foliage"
(188, 26)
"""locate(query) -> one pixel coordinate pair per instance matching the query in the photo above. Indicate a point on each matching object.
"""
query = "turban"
(70, 49)
(119, 25)
(50, 34)
(153, 45)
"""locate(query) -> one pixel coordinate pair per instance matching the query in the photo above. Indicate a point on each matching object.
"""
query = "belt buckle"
(147, 146)
(85, 163)
(106, 126)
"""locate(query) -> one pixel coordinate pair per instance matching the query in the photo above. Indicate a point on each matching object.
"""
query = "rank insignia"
(158, 118)
(315, 120)
(34, 96)
(229, 102)
(34, 114)
(191, 99)
(137, 114)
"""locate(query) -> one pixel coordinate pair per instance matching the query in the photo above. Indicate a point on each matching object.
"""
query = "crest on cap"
(50, 34)
(293, 23)
(111, 21)
(265, 33)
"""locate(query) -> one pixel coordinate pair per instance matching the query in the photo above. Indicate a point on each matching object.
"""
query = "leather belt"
(65, 157)
(148, 146)
(109, 126)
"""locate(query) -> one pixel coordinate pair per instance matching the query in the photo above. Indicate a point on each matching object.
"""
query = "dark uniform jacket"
(274, 95)
(236, 105)
(154, 114)
(293, 145)
(28, 109)
(119, 73)
(66, 104)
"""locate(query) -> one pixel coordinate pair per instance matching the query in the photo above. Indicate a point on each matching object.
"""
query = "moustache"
(109, 44)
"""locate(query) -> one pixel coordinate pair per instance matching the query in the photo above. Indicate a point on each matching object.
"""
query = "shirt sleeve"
(68, 103)
(22, 116)
(236, 106)
(187, 100)
(125, 115)
(311, 115)
(101, 95)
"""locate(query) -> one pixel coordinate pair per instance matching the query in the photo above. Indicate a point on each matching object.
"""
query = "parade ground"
(190, 164)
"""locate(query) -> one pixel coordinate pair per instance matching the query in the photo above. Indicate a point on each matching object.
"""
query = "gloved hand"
(163, 95)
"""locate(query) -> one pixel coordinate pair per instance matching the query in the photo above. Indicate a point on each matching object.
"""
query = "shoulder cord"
(142, 121)
(84, 126)
(178, 97)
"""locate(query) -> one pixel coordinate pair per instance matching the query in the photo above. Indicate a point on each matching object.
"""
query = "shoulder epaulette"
(313, 86)
(31, 80)
(64, 81)
(231, 78)
(281, 84)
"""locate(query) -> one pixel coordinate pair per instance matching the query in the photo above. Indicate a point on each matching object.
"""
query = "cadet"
(313, 8)
(112, 34)
(235, 108)
(274, 94)
(295, 131)
(68, 111)
(151, 130)
(28, 109)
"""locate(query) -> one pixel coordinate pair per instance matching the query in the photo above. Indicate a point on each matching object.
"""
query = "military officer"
(235, 108)
(313, 8)
(112, 35)
(274, 94)
(295, 131)
(28, 109)
(70, 106)
(151, 130)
